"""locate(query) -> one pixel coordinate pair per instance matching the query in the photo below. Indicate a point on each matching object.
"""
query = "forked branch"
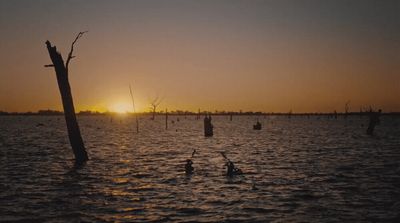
(70, 56)
(156, 102)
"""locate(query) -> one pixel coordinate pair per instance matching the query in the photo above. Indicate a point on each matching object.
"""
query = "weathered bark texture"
(74, 133)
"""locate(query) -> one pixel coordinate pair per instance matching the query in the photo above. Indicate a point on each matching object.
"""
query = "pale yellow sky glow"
(271, 56)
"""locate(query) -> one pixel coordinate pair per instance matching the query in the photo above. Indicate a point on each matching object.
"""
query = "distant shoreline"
(187, 113)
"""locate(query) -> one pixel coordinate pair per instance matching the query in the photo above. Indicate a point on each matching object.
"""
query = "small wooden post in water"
(198, 115)
(61, 70)
(166, 119)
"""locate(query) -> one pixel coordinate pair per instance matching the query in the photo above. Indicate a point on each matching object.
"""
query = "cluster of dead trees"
(75, 138)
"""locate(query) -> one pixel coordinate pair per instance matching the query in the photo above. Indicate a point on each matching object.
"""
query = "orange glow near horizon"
(270, 56)
(121, 107)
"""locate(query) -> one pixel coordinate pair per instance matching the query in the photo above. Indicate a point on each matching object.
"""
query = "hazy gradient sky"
(308, 56)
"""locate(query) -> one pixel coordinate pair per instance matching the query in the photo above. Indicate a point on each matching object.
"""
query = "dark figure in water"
(208, 127)
(257, 126)
(188, 167)
(231, 169)
(373, 121)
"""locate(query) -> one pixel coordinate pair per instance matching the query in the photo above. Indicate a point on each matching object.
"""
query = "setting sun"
(121, 107)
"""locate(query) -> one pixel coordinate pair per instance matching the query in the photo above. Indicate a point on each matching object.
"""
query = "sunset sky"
(273, 56)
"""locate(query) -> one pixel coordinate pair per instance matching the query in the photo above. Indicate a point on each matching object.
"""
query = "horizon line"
(183, 112)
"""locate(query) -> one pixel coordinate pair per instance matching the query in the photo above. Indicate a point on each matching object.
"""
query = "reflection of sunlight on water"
(118, 192)
(301, 168)
(119, 180)
(123, 170)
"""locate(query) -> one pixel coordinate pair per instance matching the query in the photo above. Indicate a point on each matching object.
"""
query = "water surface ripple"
(304, 169)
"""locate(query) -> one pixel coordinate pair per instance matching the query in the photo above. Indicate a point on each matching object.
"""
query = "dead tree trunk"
(74, 133)
(346, 109)
(153, 106)
(153, 113)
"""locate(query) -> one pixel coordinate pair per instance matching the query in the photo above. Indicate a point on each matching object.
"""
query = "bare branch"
(49, 65)
(154, 103)
(70, 56)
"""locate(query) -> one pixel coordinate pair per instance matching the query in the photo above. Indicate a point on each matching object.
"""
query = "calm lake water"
(304, 170)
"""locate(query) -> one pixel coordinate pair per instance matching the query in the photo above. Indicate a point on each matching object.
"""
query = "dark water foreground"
(305, 170)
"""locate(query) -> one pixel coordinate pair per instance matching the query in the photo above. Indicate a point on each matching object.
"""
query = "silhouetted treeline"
(40, 112)
(189, 113)
(50, 112)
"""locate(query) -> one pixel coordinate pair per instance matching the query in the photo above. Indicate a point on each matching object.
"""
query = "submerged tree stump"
(61, 70)
(208, 127)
